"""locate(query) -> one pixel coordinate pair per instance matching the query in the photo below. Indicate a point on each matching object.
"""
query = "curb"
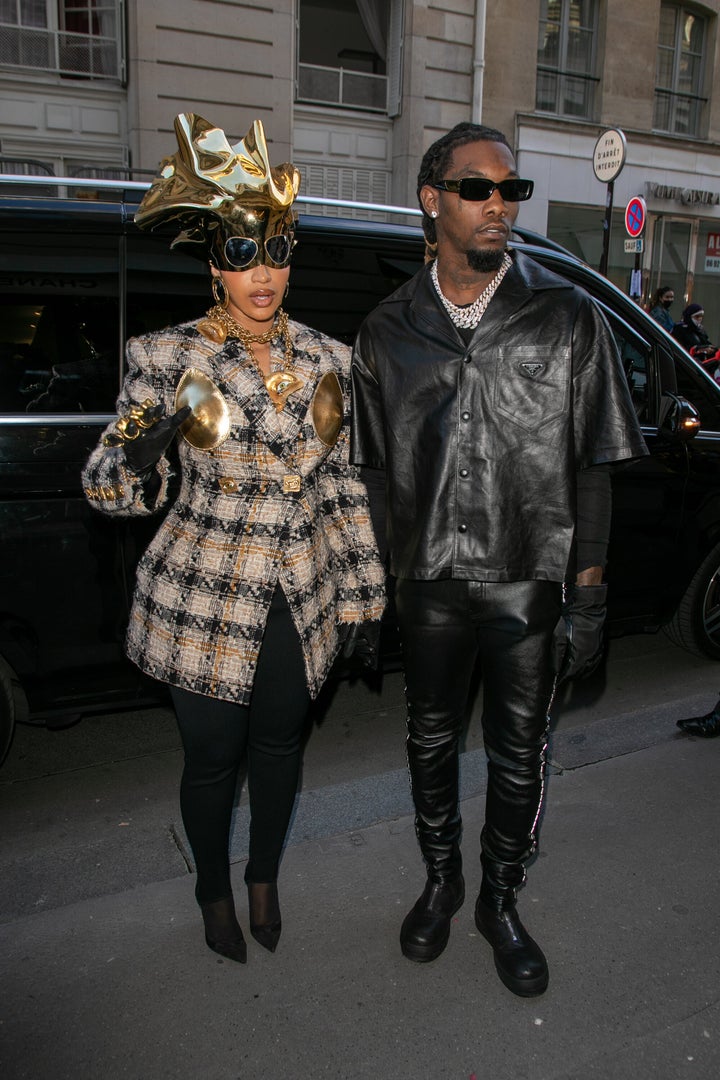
(358, 804)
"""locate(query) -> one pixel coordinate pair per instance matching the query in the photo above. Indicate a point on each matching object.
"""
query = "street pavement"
(105, 973)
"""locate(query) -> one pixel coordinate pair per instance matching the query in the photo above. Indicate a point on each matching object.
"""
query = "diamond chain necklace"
(467, 318)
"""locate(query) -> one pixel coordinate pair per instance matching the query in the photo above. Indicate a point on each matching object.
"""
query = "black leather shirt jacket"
(482, 443)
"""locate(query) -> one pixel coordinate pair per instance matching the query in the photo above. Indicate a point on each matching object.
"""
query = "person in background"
(491, 392)
(690, 331)
(266, 562)
(660, 304)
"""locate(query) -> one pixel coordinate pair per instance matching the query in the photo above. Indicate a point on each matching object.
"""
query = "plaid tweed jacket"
(233, 533)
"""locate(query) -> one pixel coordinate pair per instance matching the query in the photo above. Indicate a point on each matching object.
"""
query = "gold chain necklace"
(220, 325)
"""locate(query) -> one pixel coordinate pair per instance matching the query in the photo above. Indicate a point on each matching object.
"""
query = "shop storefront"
(684, 248)
(681, 251)
(681, 240)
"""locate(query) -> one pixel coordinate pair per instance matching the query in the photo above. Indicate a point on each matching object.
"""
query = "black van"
(77, 279)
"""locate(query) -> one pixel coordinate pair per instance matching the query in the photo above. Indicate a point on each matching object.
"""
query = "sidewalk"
(624, 898)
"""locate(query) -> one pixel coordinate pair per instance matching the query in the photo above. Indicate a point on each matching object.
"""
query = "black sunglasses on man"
(478, 189)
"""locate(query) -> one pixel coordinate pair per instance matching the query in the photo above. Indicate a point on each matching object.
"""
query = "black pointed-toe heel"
(222, 930)
(232, 950)
(265, 921)
(268, 935)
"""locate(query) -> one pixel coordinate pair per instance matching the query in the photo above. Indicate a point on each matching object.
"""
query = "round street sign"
(635, 213)
(609, 155)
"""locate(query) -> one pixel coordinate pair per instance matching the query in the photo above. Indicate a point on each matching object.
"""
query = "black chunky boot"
(426, 929)
(707, 726)
(518, 959)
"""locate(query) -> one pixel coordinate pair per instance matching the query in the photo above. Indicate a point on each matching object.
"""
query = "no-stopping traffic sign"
(635, 214)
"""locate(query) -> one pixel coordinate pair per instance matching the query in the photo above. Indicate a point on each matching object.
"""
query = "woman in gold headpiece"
(266, 562)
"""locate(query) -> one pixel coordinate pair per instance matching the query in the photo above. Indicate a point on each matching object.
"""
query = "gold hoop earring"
(217, 285)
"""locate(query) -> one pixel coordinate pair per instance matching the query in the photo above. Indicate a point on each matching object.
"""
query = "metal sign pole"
(607, 222)
(608, 160)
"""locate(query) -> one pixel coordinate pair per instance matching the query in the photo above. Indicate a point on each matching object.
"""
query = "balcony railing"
(91, 56)
(139, 187)
(318, 85)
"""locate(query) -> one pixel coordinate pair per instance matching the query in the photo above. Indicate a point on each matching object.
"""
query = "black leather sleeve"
(374, 481)
(594, 513)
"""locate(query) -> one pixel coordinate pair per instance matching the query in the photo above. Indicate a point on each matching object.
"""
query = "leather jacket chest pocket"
(532, 384)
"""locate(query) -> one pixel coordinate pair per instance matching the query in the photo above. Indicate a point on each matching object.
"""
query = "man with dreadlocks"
(491, 393)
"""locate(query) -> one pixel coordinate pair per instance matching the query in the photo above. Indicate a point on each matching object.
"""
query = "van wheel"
(10, 696)
(695, 626)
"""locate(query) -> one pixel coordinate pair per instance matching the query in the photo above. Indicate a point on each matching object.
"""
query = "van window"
(335, 281)
(163, 288)
(59, 323)
(635, 355)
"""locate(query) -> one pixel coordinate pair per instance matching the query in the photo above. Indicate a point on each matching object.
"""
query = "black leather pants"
(446, 626)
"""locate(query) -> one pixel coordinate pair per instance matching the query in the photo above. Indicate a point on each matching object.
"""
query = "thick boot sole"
(523, 987)
(519, 987)
(423, 954)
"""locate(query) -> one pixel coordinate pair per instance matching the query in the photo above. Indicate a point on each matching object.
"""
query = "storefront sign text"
(687, 196)
(712, 253)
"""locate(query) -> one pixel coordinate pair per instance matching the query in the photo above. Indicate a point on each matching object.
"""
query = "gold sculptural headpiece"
(231, 207)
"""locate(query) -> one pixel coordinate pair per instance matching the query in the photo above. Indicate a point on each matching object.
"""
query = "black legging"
(215, 735)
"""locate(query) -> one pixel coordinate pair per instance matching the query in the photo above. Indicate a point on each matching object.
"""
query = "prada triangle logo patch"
(532, 367)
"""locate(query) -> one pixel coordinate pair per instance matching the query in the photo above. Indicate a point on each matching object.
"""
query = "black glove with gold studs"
(145, 434)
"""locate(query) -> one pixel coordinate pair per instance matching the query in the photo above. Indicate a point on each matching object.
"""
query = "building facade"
(354, 91)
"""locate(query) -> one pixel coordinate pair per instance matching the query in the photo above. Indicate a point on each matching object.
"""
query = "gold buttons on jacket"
(105, 494)
(291, 483)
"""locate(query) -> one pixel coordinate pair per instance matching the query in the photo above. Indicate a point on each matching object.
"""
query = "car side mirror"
(679, 420)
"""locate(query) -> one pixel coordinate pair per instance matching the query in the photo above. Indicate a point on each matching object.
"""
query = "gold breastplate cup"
(209, 424)
(327, 409)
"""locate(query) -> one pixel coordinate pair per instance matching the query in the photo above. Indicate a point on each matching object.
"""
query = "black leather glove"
(584, 615)
(360, 641)
(155, 432)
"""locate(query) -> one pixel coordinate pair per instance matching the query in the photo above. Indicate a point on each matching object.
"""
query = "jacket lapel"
(427, 307)
(515, 290)
(240, 381)
(512, 295)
